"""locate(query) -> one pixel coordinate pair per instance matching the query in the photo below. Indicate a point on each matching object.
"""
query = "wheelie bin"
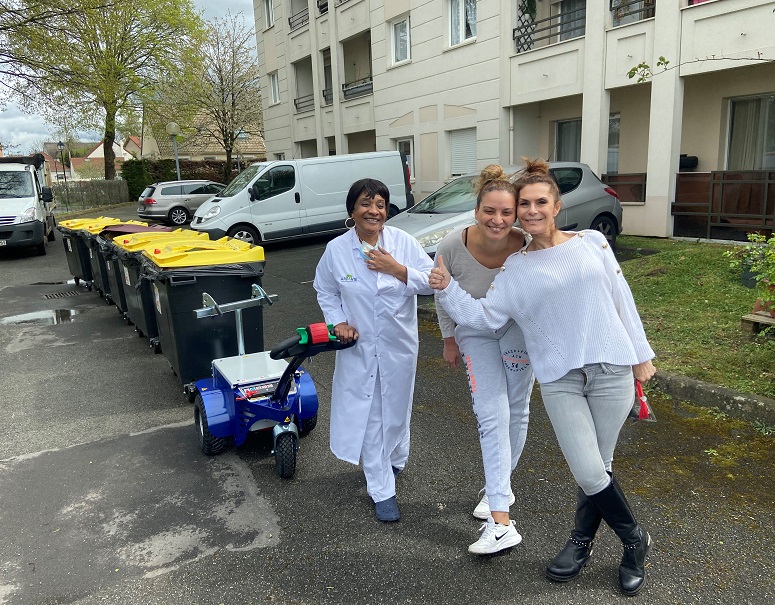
(179, 278)
(76, 250)
(137, 291)
(91, 235)
(113, 267)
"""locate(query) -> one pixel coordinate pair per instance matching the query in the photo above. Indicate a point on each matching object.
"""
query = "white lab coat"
(384, 312)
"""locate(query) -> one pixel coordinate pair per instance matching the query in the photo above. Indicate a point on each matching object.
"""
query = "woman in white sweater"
(585, 341)
(499, 373)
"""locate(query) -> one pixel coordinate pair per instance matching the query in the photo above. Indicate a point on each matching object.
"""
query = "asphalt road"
(106, 498)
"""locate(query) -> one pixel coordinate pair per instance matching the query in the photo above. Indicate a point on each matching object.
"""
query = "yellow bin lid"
(220, 252)
(83, 223)
(98, 225)
(134, 242)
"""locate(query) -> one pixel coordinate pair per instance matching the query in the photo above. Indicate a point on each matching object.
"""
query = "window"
(568, 141)
(462, 151)
(401, 40)
(462, 21)
(280, 157)
(405, 147)
(614, 126)
(268, 13)
(571, 18)
(274, 86)
(276, 181)
(752, 133)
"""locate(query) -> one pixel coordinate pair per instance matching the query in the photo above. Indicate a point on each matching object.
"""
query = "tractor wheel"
(210, 444)
(285, 455)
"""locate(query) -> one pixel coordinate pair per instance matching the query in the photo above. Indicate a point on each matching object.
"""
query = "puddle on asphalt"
(50, 318)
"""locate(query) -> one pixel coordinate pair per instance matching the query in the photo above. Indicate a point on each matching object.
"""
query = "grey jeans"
(587, 408)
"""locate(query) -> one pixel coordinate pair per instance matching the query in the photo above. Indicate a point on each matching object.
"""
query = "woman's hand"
(345, 332)
(644, 371)
(439, 277)
(451, 352)
(381, 260)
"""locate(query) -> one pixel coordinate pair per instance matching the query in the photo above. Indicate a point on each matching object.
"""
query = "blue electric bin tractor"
(257, 391)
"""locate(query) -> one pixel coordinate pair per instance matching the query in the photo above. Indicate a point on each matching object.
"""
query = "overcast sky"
(21, 130)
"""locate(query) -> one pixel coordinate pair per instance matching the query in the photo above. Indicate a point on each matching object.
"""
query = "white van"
(286, 199)
(26, 208)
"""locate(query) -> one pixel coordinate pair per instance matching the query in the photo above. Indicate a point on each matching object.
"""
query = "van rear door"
(275, 204)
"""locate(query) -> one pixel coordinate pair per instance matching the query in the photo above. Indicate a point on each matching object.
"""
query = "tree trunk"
(107, 144)
(227, 167)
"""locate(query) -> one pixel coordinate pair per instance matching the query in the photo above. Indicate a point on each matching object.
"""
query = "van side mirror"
(258, 190)
(46, 195)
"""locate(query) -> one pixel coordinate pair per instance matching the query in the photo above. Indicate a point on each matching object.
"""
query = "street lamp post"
(174, 130)
(61, 147)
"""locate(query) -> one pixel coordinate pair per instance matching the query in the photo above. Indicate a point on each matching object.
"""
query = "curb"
(739, 405)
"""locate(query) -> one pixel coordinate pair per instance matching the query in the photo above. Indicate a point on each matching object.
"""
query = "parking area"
(105, 496)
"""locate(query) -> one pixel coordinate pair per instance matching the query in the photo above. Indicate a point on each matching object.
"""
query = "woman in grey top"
(499, 372)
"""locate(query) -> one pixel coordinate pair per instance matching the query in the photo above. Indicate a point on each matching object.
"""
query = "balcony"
(305, 103)
(358, 88)
(328, 96)
(630, 11)
(565, 24)
(299, 19)
(323, 6)
(724, 204)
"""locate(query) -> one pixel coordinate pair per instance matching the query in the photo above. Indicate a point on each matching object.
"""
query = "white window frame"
(577, 148)
(274, 88)
(395, 60)
(268, 13)
(462, 151)
(410, 155)
(457, 35)
(280, 157)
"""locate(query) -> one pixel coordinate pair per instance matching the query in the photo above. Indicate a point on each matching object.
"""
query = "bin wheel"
(77, 280)
(285, 455)
(210, 444)
(156, 347)
(308, 424)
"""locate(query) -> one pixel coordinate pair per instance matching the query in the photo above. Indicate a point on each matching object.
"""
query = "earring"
(349, 218)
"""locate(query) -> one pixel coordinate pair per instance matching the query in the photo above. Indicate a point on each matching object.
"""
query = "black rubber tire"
(51, 235)
(245, 233)
(209, 444)
(285, 455)
(308, 424)
(607, 226)
(41, 248)
(178, 216)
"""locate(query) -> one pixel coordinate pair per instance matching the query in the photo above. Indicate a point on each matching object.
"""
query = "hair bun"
(535, 166)
(491, 172)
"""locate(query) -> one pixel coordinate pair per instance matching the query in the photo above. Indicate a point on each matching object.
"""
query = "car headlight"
(434, 238)
(211, 213)
(28, 215)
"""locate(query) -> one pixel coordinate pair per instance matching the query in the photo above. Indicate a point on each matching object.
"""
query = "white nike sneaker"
(495, 537)
(482, 510)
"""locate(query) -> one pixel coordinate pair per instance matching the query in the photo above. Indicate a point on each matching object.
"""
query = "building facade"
(459, 84)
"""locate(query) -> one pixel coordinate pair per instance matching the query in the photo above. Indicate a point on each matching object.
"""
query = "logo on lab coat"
(348, 277)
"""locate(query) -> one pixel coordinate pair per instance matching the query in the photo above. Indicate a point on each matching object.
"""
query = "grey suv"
(175, 201)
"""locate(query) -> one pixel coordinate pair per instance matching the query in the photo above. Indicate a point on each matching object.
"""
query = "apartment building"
(458, 84)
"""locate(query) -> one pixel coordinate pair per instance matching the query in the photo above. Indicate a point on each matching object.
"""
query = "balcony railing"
(323, 6)
(299, 19)
(531, 33)
(304, 103)
(357, 88)
(724, 204)
(328, 96)
(629, 187)
(630, 11)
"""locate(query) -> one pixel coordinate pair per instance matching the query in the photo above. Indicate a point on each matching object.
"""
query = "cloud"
(19, 130)
(219, 8)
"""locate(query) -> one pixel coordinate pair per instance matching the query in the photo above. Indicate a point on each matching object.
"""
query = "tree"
(222, 102)
(104, 60)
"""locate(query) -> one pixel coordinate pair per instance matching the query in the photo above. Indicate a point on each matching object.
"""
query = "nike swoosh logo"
(501, 536)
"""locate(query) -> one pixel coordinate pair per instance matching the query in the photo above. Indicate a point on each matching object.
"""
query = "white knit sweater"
(571, 301)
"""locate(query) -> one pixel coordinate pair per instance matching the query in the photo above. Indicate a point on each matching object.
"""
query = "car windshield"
(452, 198)
(242, 180)
(16, 184)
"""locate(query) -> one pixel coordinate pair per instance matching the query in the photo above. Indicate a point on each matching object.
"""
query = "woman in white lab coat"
(367, 283)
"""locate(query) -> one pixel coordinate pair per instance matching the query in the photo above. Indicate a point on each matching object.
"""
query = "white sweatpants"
(501, 380)
(377, 463)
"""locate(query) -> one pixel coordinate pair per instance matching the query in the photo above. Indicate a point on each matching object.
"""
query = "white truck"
(26, 205)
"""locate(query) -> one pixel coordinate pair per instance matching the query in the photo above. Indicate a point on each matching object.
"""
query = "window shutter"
(462, 151)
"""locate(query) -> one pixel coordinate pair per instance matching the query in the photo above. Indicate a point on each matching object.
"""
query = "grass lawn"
(691, 302)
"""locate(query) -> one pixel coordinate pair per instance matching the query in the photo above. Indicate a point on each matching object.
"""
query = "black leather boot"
(636, 541)
(578, 549)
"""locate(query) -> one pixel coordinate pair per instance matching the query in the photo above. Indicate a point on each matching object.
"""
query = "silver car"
(175, 201)
(586, 204)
